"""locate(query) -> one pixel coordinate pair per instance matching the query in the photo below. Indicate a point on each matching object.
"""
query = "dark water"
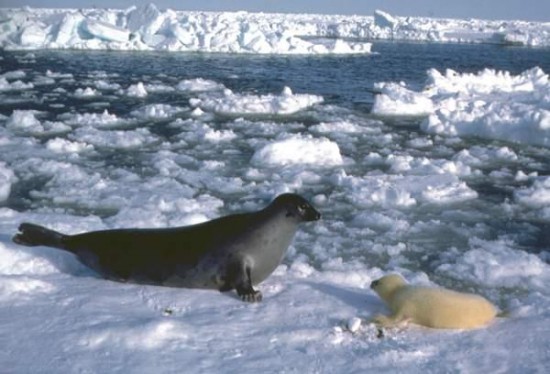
(342, 80)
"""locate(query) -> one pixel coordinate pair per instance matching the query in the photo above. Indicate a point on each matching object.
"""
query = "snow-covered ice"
(148, 28)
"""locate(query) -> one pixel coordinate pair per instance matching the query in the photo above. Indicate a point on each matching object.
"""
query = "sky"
(531, 10)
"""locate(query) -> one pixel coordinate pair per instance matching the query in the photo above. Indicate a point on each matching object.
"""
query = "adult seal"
(232, 252)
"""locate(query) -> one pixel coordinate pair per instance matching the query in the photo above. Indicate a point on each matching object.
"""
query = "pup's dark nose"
(374, 284)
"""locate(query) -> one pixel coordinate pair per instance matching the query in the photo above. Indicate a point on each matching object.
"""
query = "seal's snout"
(296, 206)
(313, 215)
(309, 213)
(374, 284)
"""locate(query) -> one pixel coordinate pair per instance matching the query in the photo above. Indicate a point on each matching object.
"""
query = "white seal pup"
(232, 252)
(431, 307)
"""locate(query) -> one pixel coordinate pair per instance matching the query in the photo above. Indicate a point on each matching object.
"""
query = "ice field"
(149, 28)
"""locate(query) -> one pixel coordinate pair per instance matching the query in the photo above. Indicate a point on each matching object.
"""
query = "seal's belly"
(194, 279)
(208, 273)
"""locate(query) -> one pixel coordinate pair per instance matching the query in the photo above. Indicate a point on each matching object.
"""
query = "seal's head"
(296, 206)
(386, 286)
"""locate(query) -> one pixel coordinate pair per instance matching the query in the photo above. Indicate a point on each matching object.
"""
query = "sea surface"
(343, 80)
(419, 236)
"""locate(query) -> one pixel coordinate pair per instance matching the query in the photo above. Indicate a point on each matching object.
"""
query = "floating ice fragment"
(14, 86)
(7, 178)
(299, 149)
(136, 90)
(199, 85)
(537, 196)
(404, 191)
(489, 104)
(24, 121)
(16, 74)
(156, 111)
(499, 264)
(59, 145)
(114, 139)
(231, 103)
(395, 99)
(104, 119)
(85, 92)
(353, 324)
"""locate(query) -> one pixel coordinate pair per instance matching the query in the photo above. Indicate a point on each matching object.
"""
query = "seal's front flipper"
(397, 321)
(238, 277)
(246, 291)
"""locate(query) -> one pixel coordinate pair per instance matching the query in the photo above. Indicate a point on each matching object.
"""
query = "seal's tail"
(33, 235)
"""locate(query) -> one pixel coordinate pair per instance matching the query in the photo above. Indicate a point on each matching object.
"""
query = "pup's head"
(386, 286)
(296, 206)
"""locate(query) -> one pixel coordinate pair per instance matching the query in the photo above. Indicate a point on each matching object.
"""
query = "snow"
(412, 202)
(148, 28)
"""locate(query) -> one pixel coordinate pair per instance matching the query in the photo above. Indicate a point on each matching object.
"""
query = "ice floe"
(299, 150)
(490, 104)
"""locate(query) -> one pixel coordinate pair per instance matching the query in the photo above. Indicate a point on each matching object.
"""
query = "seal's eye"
(302, 208)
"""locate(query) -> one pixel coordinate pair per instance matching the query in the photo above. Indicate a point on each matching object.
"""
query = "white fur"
(431, 307)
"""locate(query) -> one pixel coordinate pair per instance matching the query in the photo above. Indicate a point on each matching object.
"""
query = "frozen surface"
(149, 28)
(444, 202)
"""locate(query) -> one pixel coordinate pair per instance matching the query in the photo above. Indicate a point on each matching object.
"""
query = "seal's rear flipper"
(33, 235)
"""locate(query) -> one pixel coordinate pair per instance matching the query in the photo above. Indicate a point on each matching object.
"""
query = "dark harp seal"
(232, 252)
